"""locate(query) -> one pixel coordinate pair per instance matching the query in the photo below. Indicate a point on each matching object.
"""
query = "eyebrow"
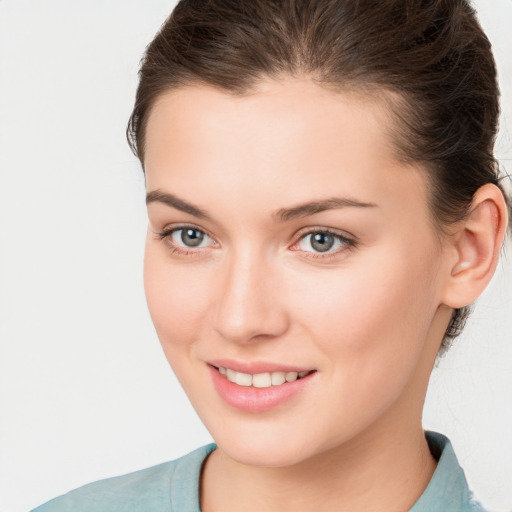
(176, 202)
(282, 215)
(310, 208)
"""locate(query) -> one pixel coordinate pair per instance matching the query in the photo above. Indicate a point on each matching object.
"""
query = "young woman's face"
(285, 238)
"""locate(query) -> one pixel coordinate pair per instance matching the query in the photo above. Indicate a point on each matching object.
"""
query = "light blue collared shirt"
(448, 489)
(174, 487)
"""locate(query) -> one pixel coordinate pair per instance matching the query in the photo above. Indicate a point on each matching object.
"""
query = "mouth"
(260, 390)
(262, 380)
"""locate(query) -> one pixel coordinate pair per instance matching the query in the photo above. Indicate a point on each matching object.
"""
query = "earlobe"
(477, 244)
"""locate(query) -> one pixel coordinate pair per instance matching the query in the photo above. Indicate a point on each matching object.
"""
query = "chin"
(276, 456)
(265, 446)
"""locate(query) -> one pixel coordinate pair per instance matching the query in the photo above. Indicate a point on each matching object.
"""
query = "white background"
(85, 391)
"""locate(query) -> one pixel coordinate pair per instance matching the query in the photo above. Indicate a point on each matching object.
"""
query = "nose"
(251, 304)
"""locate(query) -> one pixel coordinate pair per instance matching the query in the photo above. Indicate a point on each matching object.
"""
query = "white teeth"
(278, 378)
(261, 380)
(291, 376)
(243, 379)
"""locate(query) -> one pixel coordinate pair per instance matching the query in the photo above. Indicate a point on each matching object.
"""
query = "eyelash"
(166, 236)
(348, 243)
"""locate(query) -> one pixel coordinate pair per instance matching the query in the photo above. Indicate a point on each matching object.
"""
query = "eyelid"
(165, 235)
(168, 230)
(324, 229)
(349, 241)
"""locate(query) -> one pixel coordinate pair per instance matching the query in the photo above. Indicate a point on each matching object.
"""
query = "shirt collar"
(448, 488)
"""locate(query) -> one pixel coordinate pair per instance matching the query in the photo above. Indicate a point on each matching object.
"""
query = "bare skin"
(366, 315)
(361, 475)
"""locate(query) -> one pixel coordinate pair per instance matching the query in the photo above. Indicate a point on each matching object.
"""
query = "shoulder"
(133, 491)
(160, 488)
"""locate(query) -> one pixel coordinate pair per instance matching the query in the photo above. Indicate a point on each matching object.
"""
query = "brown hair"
(432, 54)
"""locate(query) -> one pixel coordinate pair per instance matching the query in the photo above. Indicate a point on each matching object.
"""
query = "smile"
(261, 380)
(260, 390)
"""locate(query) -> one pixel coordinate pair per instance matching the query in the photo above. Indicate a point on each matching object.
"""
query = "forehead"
(283, 108)
(289, 137)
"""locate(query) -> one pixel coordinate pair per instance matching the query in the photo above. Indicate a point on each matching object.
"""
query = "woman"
(324, 206)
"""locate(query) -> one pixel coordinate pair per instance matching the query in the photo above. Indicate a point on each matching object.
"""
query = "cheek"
(370, 322)
(175, 295)
(382, 304)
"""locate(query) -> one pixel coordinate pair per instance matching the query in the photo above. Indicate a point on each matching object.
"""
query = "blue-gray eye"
(322, 242)
(319, 241)
(189, 237)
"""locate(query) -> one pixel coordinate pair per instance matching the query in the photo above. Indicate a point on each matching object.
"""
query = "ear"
(475, 247)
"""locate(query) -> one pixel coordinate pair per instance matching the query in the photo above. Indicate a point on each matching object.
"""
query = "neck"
(362, 475)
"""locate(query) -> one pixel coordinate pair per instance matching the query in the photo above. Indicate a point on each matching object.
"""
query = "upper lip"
(255, 367)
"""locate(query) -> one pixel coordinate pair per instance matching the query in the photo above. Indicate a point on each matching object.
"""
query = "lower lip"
(251, 399)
